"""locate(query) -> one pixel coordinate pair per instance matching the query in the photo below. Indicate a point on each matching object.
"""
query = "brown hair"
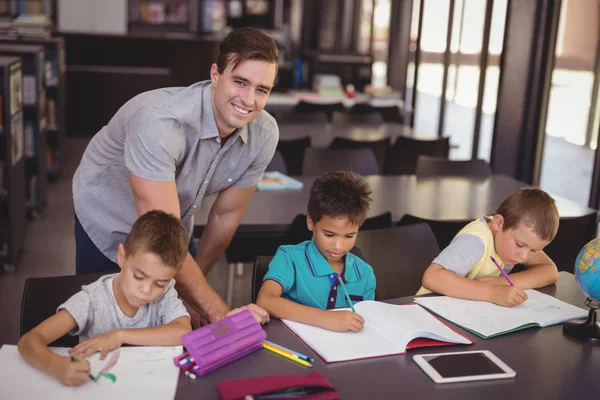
(159, 233)
(246, 44)
(339, 194)
(535, 208)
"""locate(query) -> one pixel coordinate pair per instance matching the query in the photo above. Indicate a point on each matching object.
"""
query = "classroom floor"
(50, 245)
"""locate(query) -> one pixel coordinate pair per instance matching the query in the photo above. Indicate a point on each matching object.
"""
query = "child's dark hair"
(159, 233)
(535, 208)
(246, 44)
(339, 194)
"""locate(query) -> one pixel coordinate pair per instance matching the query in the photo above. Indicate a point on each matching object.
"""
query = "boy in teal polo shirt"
(307, 279)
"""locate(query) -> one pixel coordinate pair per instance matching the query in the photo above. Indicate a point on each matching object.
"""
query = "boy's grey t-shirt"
(165, 135)
(96, 311)
(463, 253)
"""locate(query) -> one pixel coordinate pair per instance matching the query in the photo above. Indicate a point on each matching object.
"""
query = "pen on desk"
(502, 271)
(286, 355)
(73, 359)
(346, 294)
(301, 356)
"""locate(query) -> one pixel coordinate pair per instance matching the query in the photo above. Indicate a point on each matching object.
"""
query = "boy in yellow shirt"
(516, 234)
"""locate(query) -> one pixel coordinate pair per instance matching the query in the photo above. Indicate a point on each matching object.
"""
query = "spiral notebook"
(389, 330)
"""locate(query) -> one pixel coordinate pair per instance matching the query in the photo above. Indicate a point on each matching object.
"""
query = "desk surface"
(548, 364)
(441, 198)
(281, 101)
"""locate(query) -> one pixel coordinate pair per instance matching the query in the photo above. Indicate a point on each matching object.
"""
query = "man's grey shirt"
(96, 311)
(165, 135)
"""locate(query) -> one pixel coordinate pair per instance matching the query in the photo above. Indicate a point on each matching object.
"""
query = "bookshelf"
(12, 164)
(34, 122)
(54, 76)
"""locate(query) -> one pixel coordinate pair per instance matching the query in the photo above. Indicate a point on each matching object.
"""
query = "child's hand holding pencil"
(71, 371)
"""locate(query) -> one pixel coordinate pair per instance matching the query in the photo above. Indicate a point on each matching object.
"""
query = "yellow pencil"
(287, 355)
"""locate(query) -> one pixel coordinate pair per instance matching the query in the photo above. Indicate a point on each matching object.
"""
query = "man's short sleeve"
(154, 144)
(254, 173)
(461, 254)
(170, 306)
(281, 269)
(79, 307)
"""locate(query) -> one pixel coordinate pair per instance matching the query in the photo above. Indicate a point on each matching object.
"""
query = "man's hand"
(258, 313)
(344, 321)
(102, 343)
(506, 296)
(72, 373)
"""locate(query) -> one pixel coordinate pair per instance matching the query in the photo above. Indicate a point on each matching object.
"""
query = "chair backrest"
(573, 233)
(444, 231)
(293, 153)
(298, 232)
(42, 296)
(379, 147)
(361, 114)
(402, 156)
(261, 266)
(316, 108)
(399, 257)
(318, 161)
(297, 117)
(277, 163)
(438, 166)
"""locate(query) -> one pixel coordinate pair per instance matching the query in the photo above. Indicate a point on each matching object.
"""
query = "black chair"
(277, 164)
(437, 166)
(42, 296)
(573, 233)
(399, 257)
(402, 156)
(293, 153)
(367, 114)
(261, 266)
(295, 117)
(298, 232)
(379, 147)
(444, 231)
(308, 108)
(318, 161)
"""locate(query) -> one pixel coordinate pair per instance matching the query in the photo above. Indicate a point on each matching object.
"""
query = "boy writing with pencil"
(475, 264)
(307, 279)
(137, 306)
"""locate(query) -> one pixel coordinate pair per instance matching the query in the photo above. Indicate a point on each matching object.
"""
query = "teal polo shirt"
(307, 278)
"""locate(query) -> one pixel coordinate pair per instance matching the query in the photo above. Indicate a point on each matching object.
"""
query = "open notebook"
(389, 330)
(127, 373)
(488, 320)
(274, 180)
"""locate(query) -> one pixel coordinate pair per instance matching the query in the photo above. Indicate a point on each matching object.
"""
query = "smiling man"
(169, 148)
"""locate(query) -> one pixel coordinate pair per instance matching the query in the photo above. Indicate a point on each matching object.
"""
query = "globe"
(587, 269)
(587, 276)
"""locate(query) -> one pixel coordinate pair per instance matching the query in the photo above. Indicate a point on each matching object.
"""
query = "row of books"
(26, 7)
(26, 25)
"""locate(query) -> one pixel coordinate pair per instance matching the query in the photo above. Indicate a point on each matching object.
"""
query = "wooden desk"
(442, 198)
(287, 101)
(549, 365)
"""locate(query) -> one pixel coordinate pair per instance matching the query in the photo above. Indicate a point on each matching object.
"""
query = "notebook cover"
(222, 342)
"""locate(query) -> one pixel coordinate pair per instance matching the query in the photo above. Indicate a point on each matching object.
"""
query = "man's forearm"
(216, 237)
(193, 287)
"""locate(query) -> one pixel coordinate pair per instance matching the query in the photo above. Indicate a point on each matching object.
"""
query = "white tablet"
(463, 366)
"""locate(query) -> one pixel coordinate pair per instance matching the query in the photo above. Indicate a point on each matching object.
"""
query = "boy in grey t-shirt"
(138, 306)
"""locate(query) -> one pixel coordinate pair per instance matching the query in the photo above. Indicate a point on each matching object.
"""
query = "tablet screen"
(456, 365)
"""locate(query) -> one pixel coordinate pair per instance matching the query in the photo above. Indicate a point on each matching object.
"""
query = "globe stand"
(588, 330)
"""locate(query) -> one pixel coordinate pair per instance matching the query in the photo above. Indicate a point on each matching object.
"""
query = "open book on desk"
(488, 320)
(274, 180)
(389, 330)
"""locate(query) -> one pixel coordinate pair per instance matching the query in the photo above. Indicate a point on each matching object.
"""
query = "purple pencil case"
(221, 342)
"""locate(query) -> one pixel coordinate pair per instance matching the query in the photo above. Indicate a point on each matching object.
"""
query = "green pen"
(346, 294)
(91, 376)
